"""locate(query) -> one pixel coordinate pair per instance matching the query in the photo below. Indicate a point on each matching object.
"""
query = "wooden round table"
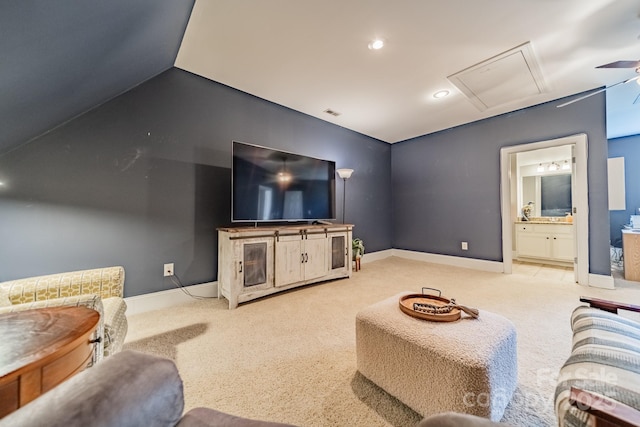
(40, 349)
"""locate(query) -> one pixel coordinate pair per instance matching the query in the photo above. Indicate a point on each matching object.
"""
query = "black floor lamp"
(345, 174)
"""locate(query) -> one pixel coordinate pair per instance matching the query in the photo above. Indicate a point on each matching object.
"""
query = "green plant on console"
(357, 246)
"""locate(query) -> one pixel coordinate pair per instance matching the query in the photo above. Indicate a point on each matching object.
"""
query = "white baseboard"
(475, 264)
(163, 299)
(376, 256)
(601, 281)
(171, 297)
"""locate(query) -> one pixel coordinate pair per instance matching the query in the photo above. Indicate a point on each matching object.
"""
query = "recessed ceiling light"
(376, 44)
(441, 94)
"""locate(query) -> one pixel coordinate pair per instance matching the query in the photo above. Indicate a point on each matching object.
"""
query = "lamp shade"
(345, 173)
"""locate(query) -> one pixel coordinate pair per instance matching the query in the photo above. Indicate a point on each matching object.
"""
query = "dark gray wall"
(61, 58)
(145, 178)
(629, 148)
(446, 186)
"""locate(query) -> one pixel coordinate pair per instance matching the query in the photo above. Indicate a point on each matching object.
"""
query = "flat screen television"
(274, 185)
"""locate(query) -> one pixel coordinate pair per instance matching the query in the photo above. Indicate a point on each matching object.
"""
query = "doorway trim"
(581, 203)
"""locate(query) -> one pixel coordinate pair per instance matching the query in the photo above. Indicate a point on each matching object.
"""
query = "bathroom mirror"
(555, 195)
(551, 194)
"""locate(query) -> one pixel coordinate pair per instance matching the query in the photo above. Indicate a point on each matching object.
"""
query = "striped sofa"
(100, 289)
(600, 381)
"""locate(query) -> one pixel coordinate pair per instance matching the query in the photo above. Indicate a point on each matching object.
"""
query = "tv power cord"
(178, 284)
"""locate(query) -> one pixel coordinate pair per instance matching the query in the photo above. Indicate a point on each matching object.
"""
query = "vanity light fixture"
(441, 94)
(554, 166)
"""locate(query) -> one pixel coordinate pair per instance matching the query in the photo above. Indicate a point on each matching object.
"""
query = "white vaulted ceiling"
(312, 56)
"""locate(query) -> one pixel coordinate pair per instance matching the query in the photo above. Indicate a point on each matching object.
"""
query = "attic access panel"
(508, 77)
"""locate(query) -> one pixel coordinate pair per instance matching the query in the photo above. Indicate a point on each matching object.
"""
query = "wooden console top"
(40, 349)
(274, 228)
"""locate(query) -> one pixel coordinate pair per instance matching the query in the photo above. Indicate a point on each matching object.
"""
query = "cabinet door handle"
(301, 258)
(240, 267)
(306, 257)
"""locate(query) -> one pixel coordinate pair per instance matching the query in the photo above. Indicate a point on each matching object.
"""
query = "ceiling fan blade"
(584, 97)
(598, 91)
(621, 64)
(637, 99)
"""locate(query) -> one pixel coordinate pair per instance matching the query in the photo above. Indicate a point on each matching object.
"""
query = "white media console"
(257, 261)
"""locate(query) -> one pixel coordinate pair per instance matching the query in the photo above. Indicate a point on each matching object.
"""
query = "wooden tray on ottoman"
(407, 306)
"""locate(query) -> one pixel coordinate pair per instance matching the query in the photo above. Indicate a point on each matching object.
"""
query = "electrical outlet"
(465, 246)
(168, 269)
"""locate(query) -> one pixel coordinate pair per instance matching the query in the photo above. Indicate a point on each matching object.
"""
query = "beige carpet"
(291, 357)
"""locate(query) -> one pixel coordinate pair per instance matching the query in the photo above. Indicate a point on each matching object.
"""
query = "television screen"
(273, 185)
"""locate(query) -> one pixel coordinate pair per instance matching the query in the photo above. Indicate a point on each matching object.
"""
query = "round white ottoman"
(467, 366)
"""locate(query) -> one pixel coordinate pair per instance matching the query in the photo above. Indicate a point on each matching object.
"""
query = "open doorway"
(541, 200)
(513, 200)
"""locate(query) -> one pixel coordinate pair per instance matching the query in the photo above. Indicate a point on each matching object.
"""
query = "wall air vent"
(332, 112)
(508, 77)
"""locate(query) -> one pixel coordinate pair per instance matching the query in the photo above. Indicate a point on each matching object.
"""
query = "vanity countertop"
(560, 222)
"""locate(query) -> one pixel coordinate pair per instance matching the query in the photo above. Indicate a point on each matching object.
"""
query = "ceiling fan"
(616, 64)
